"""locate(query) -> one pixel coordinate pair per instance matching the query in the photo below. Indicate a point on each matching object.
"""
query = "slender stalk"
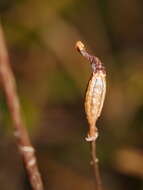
(94, 99)
(22, 137)
(98, 183)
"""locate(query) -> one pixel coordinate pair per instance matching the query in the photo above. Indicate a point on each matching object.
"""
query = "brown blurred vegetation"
(52, 78)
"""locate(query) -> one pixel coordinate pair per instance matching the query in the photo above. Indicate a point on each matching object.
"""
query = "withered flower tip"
(79, 46)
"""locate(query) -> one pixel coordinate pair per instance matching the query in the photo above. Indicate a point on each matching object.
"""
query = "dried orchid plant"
(23, 142)
(94, 100)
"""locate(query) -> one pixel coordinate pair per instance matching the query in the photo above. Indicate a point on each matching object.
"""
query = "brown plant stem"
(22, 137)
(98, 183)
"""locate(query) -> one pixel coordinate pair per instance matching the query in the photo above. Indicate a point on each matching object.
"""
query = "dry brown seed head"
(95, 93)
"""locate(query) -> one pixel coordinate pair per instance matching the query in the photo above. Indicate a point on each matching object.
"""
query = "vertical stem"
(22, 137)
(98, 183)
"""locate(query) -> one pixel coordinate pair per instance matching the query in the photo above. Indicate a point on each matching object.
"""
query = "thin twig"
(94, 100)
(98, 183)
(22, 137)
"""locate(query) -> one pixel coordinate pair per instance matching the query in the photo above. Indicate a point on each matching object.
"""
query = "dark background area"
(52, 77)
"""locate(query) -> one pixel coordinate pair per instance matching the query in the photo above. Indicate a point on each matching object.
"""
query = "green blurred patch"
(5, 5)
(20, 36)
(62, 88)
(30, 114)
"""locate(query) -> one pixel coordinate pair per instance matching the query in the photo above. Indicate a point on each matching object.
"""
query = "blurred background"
(52, 77)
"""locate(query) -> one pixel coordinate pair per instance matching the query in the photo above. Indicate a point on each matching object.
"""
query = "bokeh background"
(52, 77)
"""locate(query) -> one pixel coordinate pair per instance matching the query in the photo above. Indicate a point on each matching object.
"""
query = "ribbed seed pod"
(95, 93)
(94, 100)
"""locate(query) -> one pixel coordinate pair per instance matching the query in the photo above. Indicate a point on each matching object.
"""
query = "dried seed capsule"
(95, 93)
(94, 100)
